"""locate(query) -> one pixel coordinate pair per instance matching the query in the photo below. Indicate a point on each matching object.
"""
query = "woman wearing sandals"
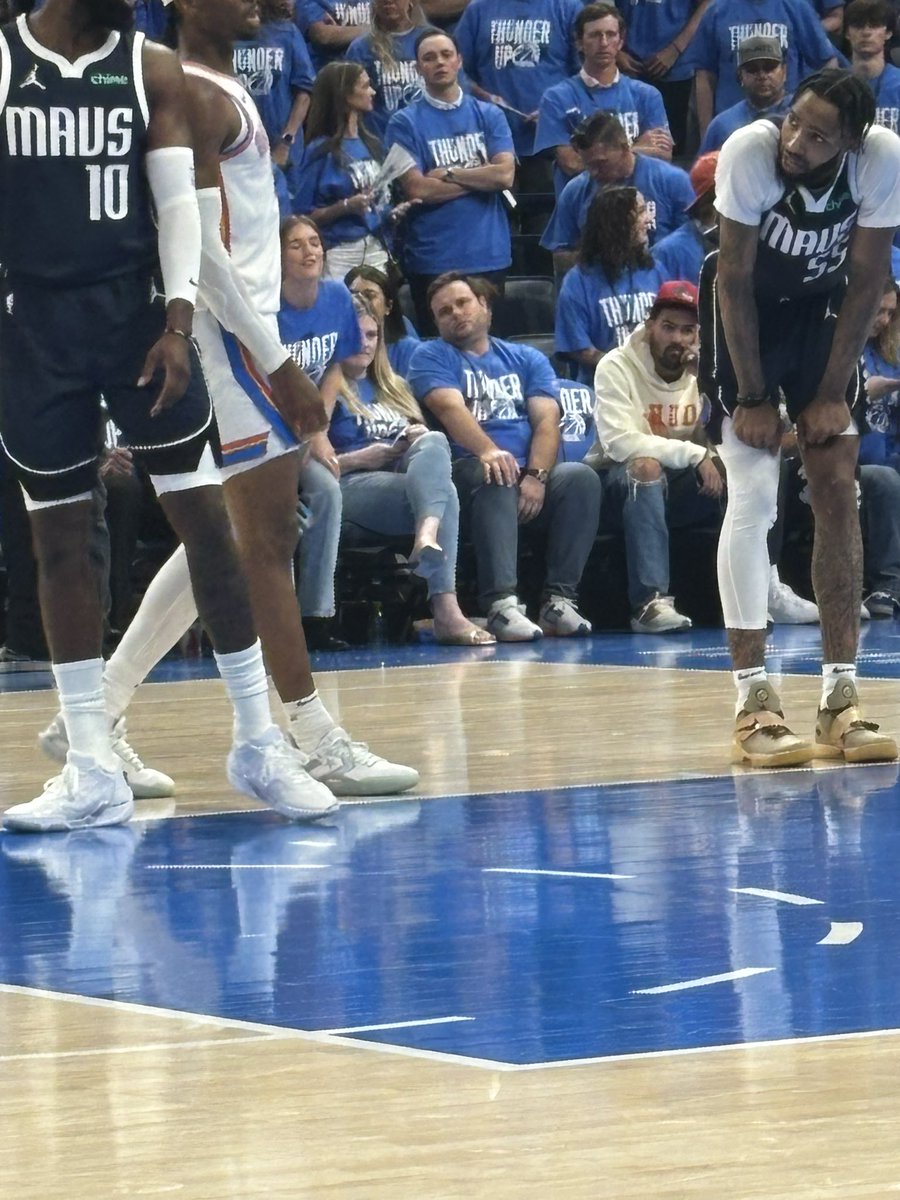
(395, 476)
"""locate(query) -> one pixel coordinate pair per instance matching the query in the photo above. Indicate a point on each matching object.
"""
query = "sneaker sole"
(365, 787)
(637, 627)
(580, 632)
(291, 812)
(885, 751)
(56, 749)
(112, 814)
(797, 756)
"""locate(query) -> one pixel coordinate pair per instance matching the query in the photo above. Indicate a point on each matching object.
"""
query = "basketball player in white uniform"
(242, 356)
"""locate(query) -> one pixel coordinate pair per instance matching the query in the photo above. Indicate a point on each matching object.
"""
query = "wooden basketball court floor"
(585, 958)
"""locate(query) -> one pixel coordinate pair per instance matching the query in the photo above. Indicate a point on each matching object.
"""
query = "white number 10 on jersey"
(108, 191)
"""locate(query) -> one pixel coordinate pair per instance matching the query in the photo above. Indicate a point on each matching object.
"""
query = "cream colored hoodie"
(639, 415)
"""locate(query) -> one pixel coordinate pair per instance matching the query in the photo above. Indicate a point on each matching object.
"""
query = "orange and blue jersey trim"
(255, 385)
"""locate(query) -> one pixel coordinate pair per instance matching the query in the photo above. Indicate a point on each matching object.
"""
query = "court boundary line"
(276, 1033)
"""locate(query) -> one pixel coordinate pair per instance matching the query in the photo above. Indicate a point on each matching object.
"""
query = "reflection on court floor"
(523, 928)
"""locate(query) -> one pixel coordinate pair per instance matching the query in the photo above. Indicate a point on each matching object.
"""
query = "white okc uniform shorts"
(251, 429)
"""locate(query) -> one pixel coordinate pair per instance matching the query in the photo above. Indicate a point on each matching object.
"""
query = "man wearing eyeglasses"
(762, 74)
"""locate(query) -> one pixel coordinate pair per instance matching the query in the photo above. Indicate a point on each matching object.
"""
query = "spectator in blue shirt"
(497, 403)
(727, 23)
(599, 39)
(318, 325)
(459, 155)
(613, 284)
(338, 185)
(388, 53)
(659, 33)
(881, 374)
(329, 26)
(762, 74)
(681, 254)
(276, 70)
(608, 159)
(381, 293)
(513, 51)
(151, 18)
(869, 26)
(831, 15)
(444, 14)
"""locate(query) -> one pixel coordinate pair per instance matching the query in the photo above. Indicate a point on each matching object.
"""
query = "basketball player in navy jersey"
(94, 141)
(808, 208)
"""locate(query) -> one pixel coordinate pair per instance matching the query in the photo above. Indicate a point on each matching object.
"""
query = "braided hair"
(850, 95)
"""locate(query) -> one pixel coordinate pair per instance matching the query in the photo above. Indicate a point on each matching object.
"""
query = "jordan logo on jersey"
(31, 80)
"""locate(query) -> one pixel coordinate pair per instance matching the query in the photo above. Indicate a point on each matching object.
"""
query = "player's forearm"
(737, 305)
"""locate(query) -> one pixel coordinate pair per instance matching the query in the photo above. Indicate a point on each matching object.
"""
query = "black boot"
(320, 635)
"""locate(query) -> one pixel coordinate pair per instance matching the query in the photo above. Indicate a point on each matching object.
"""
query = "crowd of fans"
(419, 150)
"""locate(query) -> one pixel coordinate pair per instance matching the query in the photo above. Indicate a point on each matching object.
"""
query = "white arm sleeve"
(170, 173)
(224, 293)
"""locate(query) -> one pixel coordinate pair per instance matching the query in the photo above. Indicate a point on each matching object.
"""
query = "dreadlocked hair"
(608, 240)
(850, 95)
(390, 389)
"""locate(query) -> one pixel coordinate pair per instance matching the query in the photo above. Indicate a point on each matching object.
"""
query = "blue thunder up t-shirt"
(496, 387)
(324, 180)
(272, 67)
(639, 107)
(396, 84)
(354, 13)
(470, 233)
(518, 49)
(380, 424)
(652, 25)
(328, 332)
(594, 311)
(728, 122)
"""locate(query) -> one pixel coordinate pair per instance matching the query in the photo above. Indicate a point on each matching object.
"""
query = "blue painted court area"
(561, 926)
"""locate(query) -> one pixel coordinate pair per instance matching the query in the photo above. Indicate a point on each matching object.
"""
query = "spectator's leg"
(570, 516)
(491, 515)
(319, 540)
(880, 514)
(646, 532)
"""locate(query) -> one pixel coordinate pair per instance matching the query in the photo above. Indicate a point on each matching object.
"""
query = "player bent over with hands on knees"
(83, 315)
(808, 207)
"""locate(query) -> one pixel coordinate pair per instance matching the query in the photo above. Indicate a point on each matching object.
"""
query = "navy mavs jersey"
(73, 134)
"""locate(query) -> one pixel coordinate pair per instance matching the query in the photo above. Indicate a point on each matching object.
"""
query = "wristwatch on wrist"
(754, 399)
(448, 175)
(287, 138)
(541, 474)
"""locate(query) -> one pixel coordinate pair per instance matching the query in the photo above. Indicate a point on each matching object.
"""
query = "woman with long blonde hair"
(388, 53)
(395, 475)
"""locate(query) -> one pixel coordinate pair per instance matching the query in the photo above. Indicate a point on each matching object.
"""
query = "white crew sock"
(80, 687)
(244, 676)
(309, 720)
(166, 612)
(832, 675)
(744, 681)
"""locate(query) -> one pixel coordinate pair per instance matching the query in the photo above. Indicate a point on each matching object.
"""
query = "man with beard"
(807, 209)
(95, 141)
(657, 472)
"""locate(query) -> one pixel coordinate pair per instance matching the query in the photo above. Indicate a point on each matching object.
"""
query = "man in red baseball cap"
(651, 451)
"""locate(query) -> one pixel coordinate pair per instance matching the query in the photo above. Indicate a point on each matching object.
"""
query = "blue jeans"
(392, 503)
(880, 519)
(318, 550)
(646, 512)
(568, 519)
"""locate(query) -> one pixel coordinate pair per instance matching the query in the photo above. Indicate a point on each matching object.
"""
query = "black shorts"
(795, 337)
(61, 350)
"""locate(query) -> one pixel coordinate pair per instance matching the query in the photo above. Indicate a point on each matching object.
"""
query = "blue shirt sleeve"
(651, 110)
(468, 38)
(812, 42)
(434, 365)
(302, 74)
(573, 325)
(552, 126)
(703, 52)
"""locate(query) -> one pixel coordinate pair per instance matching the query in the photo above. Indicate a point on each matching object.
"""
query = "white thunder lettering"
(577, 405)
(257, 66)
(313, 354)
(463, 150)
(68, 133)
(518, 43)
(493, 397)
(771, 29)
(623, 314)
(399, 84)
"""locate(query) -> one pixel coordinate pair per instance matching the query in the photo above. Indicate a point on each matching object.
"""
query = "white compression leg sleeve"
(167, 611)
(743, 556)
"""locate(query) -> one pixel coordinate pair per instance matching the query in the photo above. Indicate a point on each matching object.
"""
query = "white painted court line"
(140, 1048)
(841, 933)
(784, 897)
(559, 874)
(237, 867)
(702, 981)
(393, 1025)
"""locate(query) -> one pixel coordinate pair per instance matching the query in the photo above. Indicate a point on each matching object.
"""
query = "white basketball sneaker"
(277, 773)
(145, 782)
(82, 796)
(350, 768)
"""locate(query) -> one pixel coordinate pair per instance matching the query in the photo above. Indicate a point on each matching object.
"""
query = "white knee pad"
(743, 556)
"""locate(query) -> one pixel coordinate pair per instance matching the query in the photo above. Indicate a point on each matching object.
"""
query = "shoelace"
(126, 751)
